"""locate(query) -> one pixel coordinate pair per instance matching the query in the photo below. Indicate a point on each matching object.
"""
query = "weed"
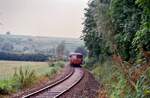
(7, 86)
(24, 78)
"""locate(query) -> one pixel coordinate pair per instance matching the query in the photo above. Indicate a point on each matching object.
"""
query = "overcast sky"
(58, 18)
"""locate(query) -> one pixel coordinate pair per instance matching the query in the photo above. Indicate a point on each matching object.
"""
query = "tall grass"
(24, 77)
(116, 82)
(55, 67)
(21, 79)
(59, 64)
(7, 86)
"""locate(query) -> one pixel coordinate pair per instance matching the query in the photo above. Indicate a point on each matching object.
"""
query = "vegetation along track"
(58, 88)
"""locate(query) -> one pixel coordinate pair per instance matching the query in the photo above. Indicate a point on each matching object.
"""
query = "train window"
(79, 56)
(74, 57)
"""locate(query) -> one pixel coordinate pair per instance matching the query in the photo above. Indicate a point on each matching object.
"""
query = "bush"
(51, 65)
(54, 68)
(59, 64)
(89, 62)
(51, 72)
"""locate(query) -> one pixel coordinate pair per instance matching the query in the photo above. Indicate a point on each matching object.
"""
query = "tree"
(7, 47)
(81, 50)
(90, 33)
(142, 36)
(60, 50)
(119, 27)
(8, 33)
(126, 17)
(97, 28)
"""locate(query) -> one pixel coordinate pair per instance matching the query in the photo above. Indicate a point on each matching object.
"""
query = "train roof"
(75, 53)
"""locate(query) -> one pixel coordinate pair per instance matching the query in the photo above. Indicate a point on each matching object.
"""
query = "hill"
(36, 44)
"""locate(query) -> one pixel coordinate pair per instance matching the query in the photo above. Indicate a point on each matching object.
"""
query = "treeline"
(120, 27)
(117, 35)
(23, 57)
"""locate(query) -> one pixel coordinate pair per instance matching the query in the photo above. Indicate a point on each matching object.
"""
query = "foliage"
(39, 45)
(23, 57)
(81, 50)
(60, 50)
(126, 17)
(89, 62)
(98, 29)
(21, 79)
(7, 47)
(112, 79)
(117, 84)
(51, 72)
(119, 28)
(55, 67)
(89, 31)
(143, 34)
(57, 64)
(27, 76)
(118, 88)
(7, 86)
(103, 72)
(24, 77)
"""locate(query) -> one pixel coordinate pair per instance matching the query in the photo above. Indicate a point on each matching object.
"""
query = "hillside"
(32, 44)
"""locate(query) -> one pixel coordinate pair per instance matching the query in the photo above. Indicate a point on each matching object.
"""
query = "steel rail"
(63, 92)
(49, 86)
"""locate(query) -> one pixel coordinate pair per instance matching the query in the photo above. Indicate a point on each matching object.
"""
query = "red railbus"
(75, 59)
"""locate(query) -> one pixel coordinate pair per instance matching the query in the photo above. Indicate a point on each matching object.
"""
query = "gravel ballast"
(88, 87)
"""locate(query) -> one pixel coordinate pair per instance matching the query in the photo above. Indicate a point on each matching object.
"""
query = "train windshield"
(79, 56)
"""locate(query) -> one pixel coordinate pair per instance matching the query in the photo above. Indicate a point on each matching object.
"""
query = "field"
(7, 68)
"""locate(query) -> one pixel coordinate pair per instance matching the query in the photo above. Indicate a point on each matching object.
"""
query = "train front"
(75, 59)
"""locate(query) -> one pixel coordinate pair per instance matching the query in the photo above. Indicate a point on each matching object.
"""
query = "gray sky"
(59, 18)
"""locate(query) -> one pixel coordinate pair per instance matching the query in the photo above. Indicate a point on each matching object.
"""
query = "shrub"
(51, 72)
(103, 72)
(54, 67)
(57, 64)
(51, 65)
(89, 62)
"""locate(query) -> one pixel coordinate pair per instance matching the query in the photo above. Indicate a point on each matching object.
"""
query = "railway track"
(58, 88)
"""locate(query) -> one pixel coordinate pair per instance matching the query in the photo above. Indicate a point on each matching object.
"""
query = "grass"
(117, 85)
(18, 75)
(7, 68)
(54, 68)
(24, 77)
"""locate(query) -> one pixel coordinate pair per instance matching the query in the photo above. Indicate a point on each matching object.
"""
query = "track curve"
(60, 87)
